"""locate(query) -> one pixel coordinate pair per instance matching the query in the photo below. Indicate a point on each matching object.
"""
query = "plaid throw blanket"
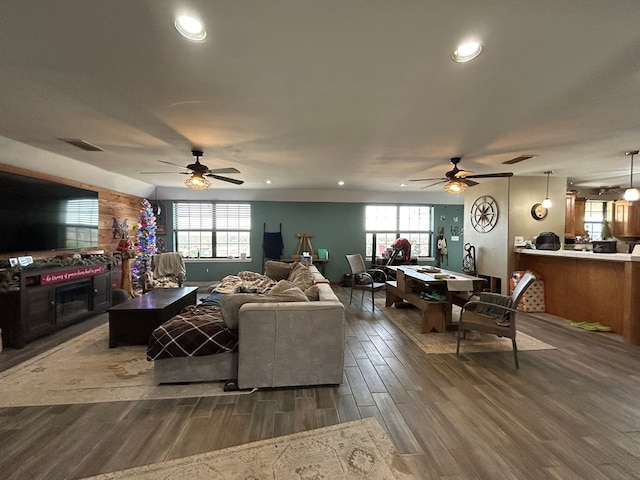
(197, 331)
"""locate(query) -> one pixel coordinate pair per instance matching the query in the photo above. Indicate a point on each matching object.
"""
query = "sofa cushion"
(288, 289)
(277, 270)
(301, 276)
(313, 293)
(231, 303)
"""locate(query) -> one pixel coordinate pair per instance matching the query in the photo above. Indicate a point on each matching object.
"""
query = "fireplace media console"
(52, 298)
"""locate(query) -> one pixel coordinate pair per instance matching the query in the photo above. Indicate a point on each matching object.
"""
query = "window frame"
(593, 228)
(206, 232)
(372, 249)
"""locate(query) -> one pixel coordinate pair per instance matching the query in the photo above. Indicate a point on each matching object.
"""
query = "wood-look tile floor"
(573, 412)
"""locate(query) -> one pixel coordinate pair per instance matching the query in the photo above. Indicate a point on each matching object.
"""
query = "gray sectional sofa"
(280, 343)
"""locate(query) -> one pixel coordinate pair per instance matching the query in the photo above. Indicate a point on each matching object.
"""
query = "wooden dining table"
(411, 280)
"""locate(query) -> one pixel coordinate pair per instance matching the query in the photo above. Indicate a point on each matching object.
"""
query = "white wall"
(515, 196)
(491, 247)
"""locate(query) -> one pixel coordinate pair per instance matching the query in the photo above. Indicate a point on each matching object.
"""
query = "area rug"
(86, 370)
(350, 450)
(409, 321)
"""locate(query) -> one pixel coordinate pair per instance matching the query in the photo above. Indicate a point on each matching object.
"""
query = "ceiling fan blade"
(470, 183)
(434, 184)
(171, 163)
(224, 170)
(151, 173)
(426, 179)
(225, 179)
(491, 175)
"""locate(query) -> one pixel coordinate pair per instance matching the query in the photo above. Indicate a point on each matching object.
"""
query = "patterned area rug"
(350, 450)
(86, 370)
(409, 320)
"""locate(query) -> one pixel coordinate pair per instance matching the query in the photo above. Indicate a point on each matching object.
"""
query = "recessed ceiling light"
(191, 28)
(466, 51)
(402, 185)
(268, 182)
(340, 183)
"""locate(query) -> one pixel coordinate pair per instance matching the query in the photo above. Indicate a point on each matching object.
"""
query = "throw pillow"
(287, 289)
(301, 276)
(313, 293)
(277, 270)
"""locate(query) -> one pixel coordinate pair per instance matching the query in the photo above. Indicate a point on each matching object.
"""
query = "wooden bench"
(434, 312)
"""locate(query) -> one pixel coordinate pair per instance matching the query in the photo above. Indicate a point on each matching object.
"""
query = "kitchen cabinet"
(574, 215)
(569, 215)
(626, 219)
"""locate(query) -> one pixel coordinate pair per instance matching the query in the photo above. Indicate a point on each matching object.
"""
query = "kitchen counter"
(588, 255)
(583, 286)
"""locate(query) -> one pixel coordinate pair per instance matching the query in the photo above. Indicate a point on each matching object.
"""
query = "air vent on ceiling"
(521, 158)
(82, 144)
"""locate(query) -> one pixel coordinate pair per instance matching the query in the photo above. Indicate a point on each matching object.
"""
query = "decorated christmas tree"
(146, 241)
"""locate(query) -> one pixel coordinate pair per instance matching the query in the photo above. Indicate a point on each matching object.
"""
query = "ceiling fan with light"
(198, 172)
(457, 181)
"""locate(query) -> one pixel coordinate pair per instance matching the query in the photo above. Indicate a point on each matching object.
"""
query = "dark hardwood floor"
(569, 413)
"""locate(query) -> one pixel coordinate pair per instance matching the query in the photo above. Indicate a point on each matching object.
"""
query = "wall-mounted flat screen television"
(38, 215)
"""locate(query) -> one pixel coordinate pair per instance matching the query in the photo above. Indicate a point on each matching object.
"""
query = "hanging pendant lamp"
(631, 194)
(546, 203)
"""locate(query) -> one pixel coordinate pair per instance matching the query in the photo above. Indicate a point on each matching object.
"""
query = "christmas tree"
(146, 241)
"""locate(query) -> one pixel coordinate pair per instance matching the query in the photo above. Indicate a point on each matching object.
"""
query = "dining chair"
(366, 280)
(494, 313)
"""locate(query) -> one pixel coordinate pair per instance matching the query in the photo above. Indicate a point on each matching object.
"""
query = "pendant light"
(631, 194)
(546, 203)
(197, 182)
(455, 186)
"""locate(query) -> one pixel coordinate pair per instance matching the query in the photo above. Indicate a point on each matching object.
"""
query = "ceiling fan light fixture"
(197, 182)
(547, 203)
(631, 194)
(466, 51)
(455, 187)
(191, 28)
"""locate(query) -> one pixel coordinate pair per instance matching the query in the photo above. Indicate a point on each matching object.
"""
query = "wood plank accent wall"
(111, 204)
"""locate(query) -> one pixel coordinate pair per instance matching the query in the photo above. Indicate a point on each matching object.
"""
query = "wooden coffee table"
(133, 321)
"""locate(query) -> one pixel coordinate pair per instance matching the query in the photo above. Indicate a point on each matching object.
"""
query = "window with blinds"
(385, 223)
(212, 230)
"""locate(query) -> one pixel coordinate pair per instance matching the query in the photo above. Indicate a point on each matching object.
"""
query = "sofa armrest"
(290, 344)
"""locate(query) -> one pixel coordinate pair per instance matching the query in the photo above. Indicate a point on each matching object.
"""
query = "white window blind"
(218, 230)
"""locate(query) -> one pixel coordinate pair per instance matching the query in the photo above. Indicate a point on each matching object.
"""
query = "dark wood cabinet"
(52, 298)
(102, 291)
(38, 311)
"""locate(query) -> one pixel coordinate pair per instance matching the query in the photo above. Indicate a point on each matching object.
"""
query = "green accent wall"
(337, 227)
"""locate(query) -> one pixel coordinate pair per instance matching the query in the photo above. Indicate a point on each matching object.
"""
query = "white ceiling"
(309, 92)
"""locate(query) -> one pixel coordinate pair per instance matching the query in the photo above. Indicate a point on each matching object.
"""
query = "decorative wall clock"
(484, 214)
(538, 211)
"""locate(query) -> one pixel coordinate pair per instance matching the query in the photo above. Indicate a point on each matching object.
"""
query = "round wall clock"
(484, 214)
(538, 211)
